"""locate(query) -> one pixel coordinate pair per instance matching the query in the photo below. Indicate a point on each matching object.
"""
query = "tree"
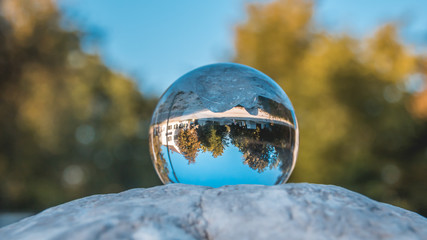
(70, 126)
(263, 148)
(356, 126)
(188, 143)
(212, 138)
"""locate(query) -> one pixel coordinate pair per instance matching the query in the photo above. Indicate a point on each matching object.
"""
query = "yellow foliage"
(388, 56)
(349, 97)
(25, 14)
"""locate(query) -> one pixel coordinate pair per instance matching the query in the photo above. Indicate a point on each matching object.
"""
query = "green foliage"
(212, 139)
(350, 100)
(70, 127)
(257, 154)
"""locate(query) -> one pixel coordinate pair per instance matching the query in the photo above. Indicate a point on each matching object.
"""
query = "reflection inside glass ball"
(224, 124)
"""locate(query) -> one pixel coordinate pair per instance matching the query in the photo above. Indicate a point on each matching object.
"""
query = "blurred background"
(79, 81)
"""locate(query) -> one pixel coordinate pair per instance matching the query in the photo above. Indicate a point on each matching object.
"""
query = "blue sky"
(205, 170)
(155, 42)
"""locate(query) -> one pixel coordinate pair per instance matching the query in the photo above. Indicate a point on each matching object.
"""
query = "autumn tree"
(70, 126)
(351, 98)
(188, 143)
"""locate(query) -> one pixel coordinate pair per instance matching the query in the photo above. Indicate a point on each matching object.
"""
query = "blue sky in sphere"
(227, 169)
(156, 42)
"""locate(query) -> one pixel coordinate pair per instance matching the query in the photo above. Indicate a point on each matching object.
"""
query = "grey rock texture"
(178, 211)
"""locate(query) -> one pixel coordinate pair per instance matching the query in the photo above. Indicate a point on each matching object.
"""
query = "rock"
(178, 211)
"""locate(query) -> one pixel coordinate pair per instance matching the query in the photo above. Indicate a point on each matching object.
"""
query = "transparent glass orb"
(224, 124)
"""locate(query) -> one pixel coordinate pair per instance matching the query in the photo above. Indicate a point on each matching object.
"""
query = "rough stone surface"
(177, 211)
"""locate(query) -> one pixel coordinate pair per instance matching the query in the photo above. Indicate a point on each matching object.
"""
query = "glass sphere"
(224, 124)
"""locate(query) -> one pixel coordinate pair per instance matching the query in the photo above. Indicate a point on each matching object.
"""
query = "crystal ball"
(224, 124)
